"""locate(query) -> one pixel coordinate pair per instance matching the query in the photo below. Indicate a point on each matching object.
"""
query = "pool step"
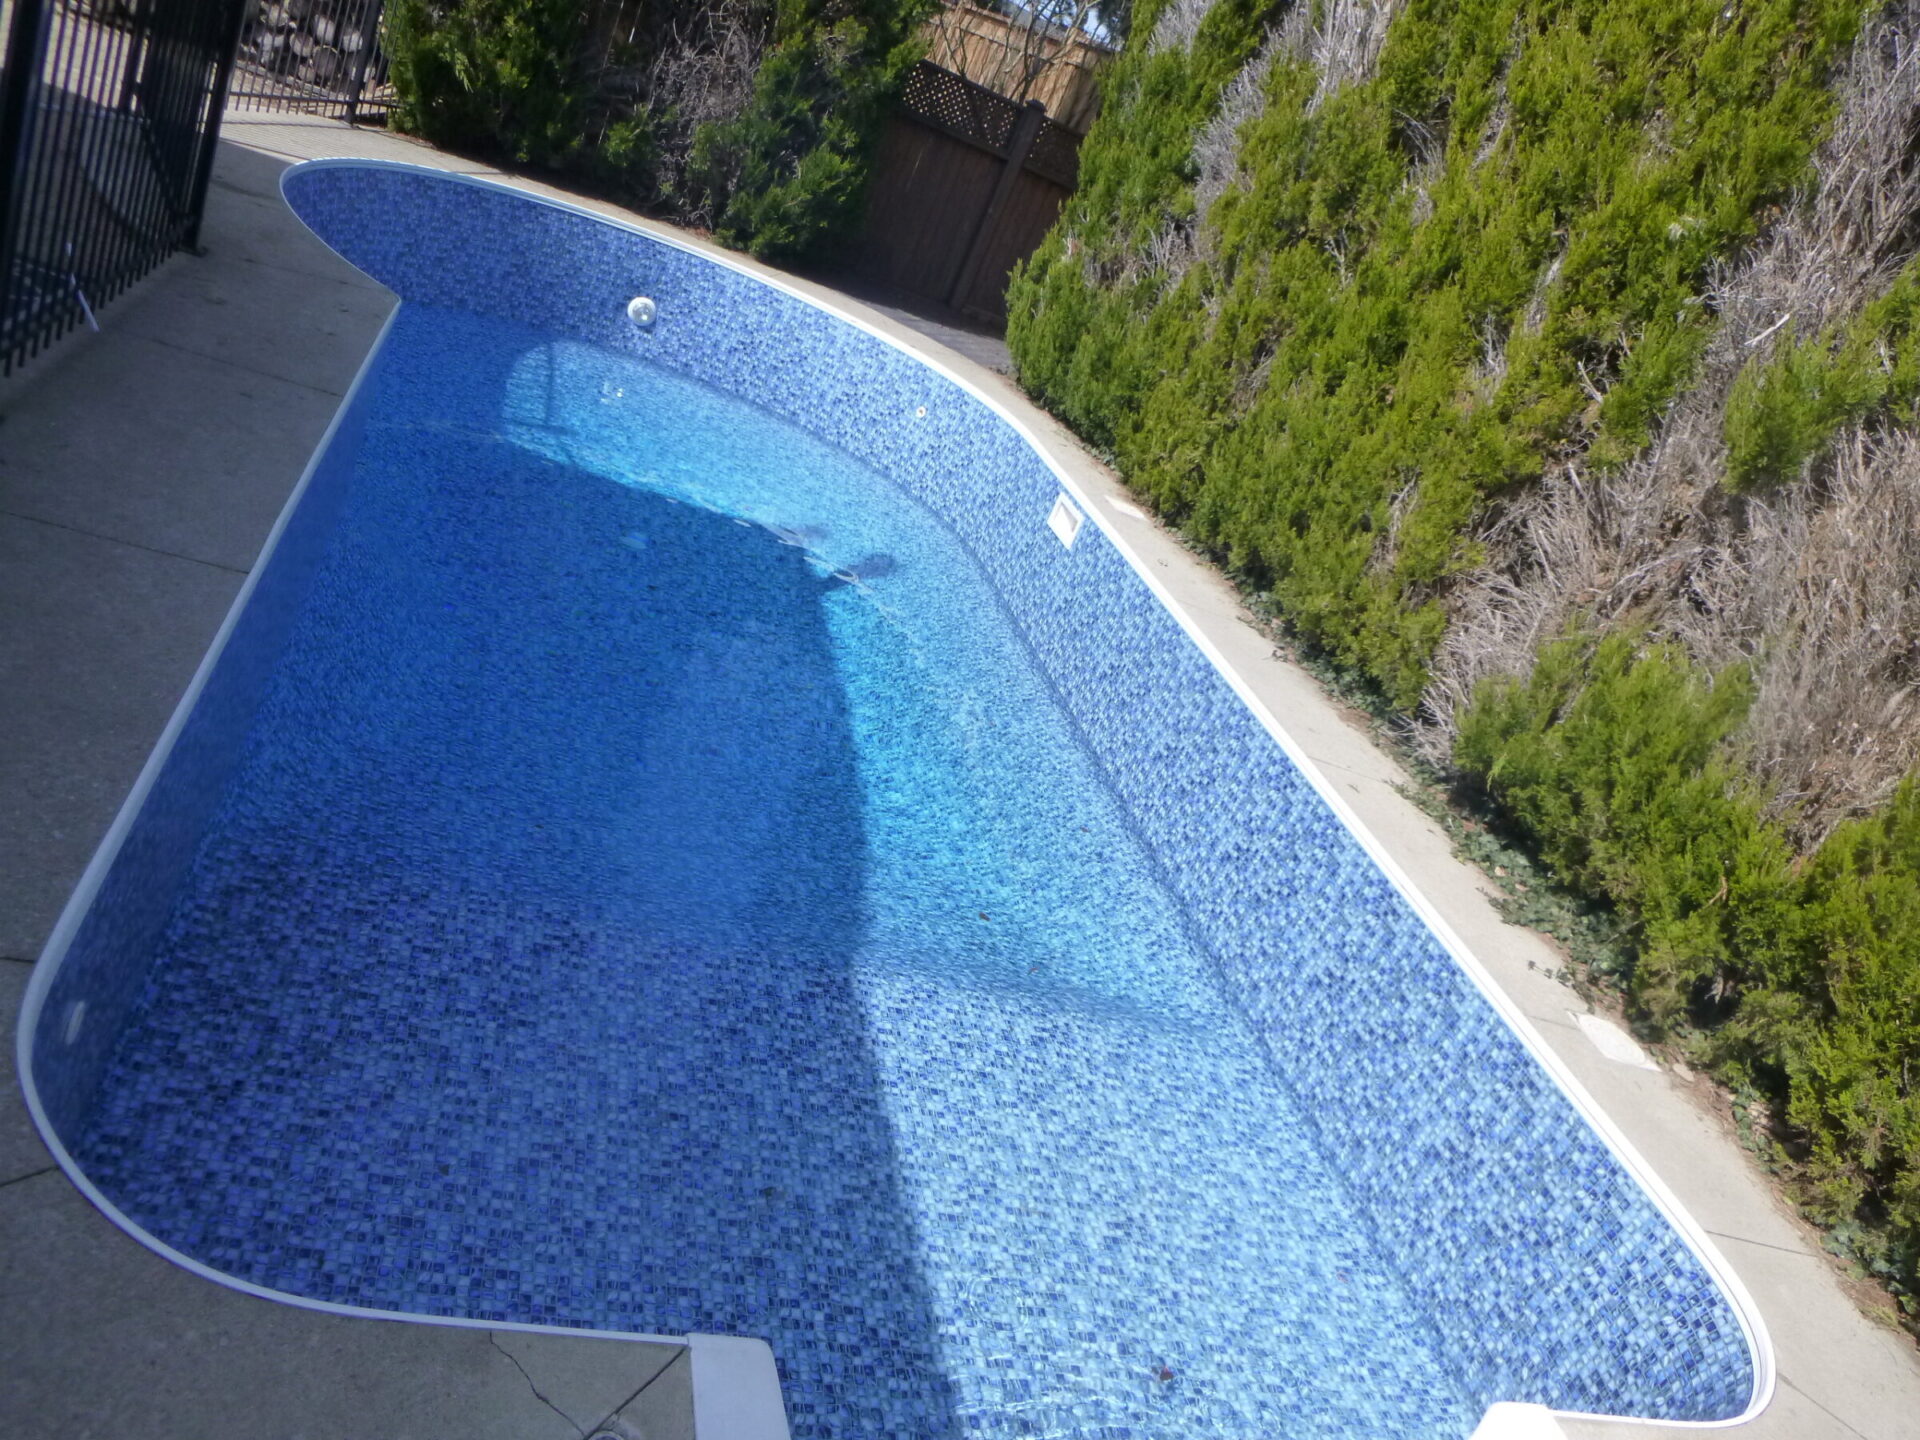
(736, 1389)
(719, 1387)
(1509, 1420)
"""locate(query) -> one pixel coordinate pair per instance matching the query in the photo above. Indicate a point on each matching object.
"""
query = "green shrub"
(543, 82)
(1784, 411)
(1414, 295)
(1852, 1060)
(496, 77)
(1798, 979)
(1612, 759)
(1070, 322)
(788, 176)
(1312, 397)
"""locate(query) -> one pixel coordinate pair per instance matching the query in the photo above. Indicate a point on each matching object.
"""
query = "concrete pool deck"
(140, 470)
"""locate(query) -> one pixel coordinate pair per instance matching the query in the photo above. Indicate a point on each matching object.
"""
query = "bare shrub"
(1827, 585)
(1340, 38)
(1496, 127)
(1177, 25)
(1535, 315)
(706, 78)
(676, 68)
(1386, 554)
(1427, 148)
(1344, 43)
(1817, 587)
(698, 82)
(1489, 372)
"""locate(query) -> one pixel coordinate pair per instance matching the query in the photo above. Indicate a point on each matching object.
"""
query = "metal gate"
(318, 57)
(108, 113)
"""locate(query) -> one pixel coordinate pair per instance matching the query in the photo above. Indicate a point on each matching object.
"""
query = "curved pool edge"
(952, 368)
(46, 967)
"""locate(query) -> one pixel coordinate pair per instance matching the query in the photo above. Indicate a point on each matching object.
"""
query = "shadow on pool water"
(512, 979)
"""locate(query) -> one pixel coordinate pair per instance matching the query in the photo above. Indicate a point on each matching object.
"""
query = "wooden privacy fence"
(965, 184)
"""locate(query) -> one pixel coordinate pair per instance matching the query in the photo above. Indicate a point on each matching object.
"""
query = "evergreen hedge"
(1330, 337)
(492, 76)
(1416, 294)
(537, 82)
(1800, 975)
(1783, 412)
(791, 172)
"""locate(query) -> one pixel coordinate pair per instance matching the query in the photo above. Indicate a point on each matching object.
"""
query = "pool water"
(659, 894)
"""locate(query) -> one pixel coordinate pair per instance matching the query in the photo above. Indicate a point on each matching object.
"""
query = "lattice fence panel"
(1056, 154)
(970, 111)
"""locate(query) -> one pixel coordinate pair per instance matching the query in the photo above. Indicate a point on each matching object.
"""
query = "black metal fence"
(108, 114)
(318, 57)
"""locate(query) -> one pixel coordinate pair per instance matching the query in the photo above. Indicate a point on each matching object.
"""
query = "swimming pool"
(672, 840)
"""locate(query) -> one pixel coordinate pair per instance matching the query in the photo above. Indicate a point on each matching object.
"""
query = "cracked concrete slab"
(100, 639)
(585, 1379)
(209, 314)
(309, 137)
(165, 474)
(661, 1411)
(107, 1338)
(245, 223)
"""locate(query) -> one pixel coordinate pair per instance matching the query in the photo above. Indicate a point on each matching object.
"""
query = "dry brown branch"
(1216, 150)
(1817, 588)
(1341, 39)
(679, 70)
(1177, 25)
(1825, 585)
(1344, 43)
(1427, 162)
(1386, 554)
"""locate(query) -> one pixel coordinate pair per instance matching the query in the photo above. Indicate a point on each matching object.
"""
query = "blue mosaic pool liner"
(105, 956)
(1547, 1272)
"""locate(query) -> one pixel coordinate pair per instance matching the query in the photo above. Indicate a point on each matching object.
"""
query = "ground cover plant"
(1550, 368)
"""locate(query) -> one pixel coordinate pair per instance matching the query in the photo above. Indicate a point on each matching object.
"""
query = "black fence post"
(1019, 145)
(19, 84)
(136, 53)
(216, 108)
(363, 57)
